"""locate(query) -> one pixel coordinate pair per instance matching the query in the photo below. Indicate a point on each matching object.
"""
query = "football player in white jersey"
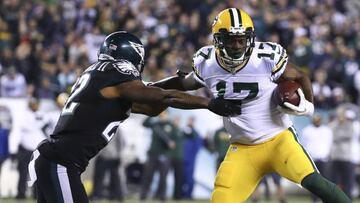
(262, 139)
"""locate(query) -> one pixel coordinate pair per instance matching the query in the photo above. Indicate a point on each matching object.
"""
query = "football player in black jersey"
(102, 97)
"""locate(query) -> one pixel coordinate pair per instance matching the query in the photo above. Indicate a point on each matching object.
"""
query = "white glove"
(304, 108)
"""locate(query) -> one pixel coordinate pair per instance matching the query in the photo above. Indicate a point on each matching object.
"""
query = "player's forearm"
(180, 82)
(172, 98)
(173, 82)
(147, 109)
(182, 100)
(306, 87)
(163, 135)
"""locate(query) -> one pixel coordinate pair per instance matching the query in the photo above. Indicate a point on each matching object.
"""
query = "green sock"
(327, 191)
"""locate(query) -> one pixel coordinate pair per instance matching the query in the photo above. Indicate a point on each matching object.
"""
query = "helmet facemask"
(233, 58)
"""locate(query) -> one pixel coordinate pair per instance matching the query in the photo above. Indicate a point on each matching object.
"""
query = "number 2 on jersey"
(110, 130)
(80, 84)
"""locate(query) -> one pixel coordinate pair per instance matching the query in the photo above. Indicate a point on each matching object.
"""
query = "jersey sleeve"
(278, 65)
(197, 63)
(119, 72)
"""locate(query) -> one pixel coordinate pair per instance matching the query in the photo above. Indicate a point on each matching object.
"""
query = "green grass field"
(290, 200)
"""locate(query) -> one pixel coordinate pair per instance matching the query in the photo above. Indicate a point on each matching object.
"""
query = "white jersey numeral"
(251, 89)
(110, 130)
(80, 85)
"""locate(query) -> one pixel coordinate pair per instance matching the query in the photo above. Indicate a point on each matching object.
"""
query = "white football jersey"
(252, 86)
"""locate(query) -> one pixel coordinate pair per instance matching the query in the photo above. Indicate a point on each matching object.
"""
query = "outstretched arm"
(182, 81)
(136, 91)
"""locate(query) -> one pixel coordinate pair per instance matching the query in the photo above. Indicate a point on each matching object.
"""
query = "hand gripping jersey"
(88, 120)
(252, 86)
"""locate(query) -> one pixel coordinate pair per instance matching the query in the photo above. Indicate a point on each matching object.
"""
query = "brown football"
(286, 91)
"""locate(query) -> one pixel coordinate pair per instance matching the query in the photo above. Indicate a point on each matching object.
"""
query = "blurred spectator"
(312, 137)
(343, 150)
(177, 158)
(302, 50)
(26, 62)
(49, 85)
(5, 127)
(5, 35)
(322, 91)
(12, 84)
(77, 48)
(350, 66)
(108, 163)
(93, 41)
(192, 145)
(32, 132)
(337, 97)
(220, 145)
(53, 116)
(7, 60)
(66, 76)
(134, 173)
(357, 85)
(158, 154)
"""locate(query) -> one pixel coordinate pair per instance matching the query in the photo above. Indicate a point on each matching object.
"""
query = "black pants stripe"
(56, 183)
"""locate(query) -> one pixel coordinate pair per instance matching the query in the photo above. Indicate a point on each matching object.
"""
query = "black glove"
(223, 107)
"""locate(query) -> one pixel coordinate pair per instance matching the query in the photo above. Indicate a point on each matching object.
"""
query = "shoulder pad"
(203, 54)
(274, 55)
(200, 57)
(125, 67)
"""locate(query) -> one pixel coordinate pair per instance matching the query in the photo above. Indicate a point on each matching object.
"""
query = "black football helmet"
(122, 45)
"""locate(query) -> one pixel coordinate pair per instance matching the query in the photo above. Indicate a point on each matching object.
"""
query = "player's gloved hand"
(286, 110)
(224, 107)
(305, 107)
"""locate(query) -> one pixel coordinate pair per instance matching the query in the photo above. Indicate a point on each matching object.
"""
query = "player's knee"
(223, 177)
(223, 195)
(222, 192)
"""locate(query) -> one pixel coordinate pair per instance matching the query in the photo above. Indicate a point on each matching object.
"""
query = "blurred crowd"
(45, 44)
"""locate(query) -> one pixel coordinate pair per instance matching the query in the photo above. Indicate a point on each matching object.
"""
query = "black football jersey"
(88, 120)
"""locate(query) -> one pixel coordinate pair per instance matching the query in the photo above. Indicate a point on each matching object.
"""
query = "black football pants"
(56, 183)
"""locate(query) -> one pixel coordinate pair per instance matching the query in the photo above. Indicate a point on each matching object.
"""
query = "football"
(286, 91)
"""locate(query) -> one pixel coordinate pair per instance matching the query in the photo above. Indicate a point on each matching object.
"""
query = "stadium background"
(48, 43)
